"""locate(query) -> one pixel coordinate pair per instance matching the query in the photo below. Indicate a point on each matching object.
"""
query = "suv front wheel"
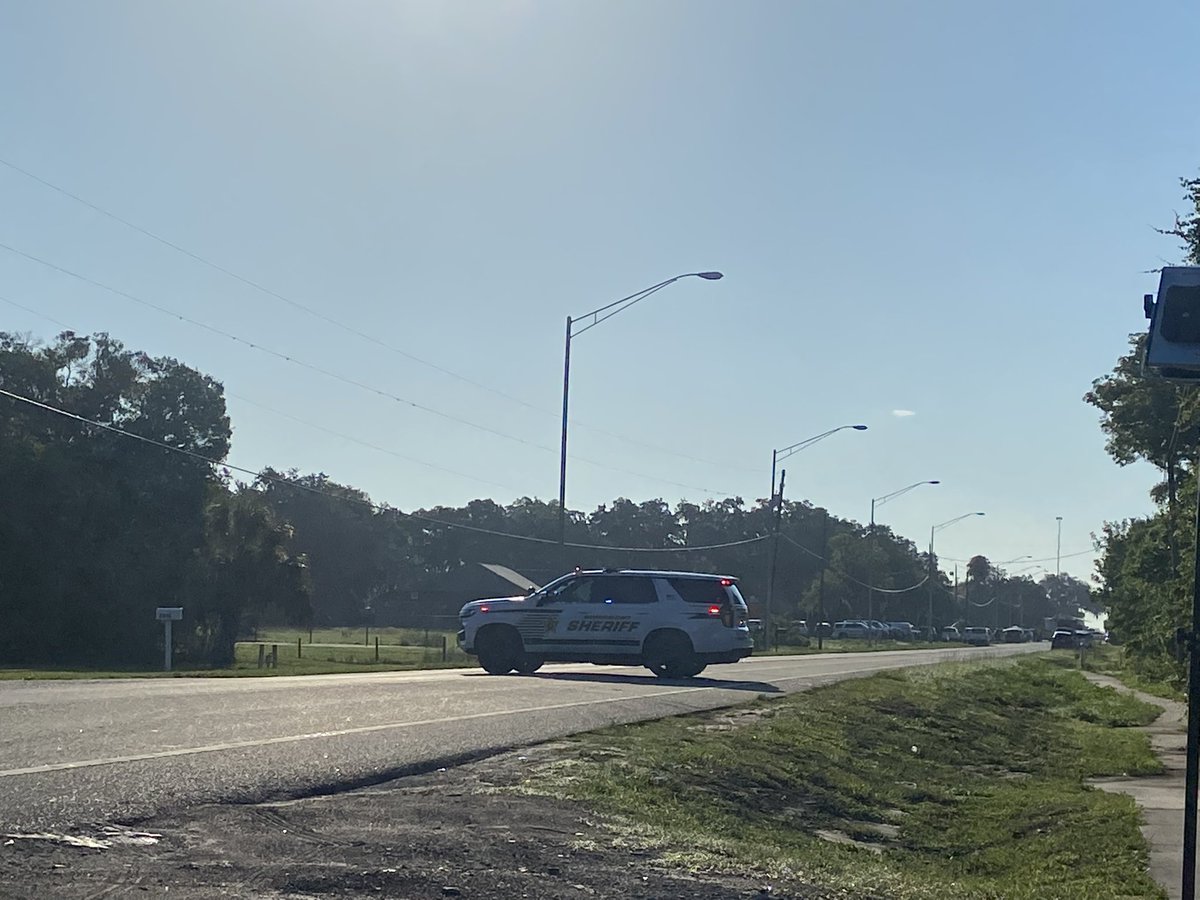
(499, 649)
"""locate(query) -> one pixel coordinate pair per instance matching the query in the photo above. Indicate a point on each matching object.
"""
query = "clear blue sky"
(938, 207)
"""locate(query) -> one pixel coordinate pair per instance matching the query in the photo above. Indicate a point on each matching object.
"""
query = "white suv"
(673, 623)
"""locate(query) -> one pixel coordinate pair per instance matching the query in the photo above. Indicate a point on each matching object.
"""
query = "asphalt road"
(84, 753)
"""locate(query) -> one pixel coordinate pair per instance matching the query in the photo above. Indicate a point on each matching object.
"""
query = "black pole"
(562, 459)
(1193, 731)
(769, 623)
(821, 585)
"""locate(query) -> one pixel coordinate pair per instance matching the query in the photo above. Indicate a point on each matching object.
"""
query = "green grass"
(328, 654)
(1106, 659)
(968, 778)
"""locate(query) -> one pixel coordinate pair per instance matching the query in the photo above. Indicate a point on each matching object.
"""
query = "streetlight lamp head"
(980, 514)
(935, 481)
(859, 427)
(711, 276)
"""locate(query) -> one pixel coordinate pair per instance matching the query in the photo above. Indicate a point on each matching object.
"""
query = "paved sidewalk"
(1159, 796)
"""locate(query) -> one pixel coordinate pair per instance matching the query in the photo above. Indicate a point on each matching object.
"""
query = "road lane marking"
(421, 723)
(343, 732)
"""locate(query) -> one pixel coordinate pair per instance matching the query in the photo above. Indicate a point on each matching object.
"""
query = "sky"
(934, 218)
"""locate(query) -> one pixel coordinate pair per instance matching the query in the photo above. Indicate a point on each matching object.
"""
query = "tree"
(1145, 581)
(99, 528)
(1146, 418)
(245, 573)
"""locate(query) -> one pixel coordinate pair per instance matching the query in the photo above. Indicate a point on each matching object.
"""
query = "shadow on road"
(760, 687)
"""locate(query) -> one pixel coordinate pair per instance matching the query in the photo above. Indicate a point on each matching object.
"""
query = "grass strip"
(949, 781)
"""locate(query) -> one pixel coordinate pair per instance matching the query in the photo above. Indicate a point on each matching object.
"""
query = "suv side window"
(624, 589)
(579, 590)
(706, 591)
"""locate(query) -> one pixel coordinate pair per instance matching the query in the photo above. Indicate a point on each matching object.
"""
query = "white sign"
(168, 613)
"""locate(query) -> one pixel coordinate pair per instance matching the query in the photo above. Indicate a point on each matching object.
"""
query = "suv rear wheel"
(669, 654)
(527, 664)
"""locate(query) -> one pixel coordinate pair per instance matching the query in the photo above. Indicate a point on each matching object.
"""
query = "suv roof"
(655, 573)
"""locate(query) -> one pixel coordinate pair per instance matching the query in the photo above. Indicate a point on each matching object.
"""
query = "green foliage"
(97, 530)
(1146, 570)
(968, 778)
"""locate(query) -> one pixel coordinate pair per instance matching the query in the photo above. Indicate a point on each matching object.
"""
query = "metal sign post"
(167, 615)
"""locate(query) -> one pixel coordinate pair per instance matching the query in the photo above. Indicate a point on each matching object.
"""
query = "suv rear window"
(706, 591)
(624, 589)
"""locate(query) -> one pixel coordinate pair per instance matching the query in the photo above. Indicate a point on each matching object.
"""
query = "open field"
(342, 650)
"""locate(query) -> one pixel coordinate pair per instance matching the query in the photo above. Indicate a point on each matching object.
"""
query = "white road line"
(421, 723)
(363, 729)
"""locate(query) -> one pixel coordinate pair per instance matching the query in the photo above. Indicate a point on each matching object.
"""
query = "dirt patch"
(452, 833)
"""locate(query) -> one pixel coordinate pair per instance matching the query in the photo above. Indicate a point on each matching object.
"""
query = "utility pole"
(1058, 552)
(954, 606)
(821, 584)
(932, 578)
(778, 502)
(874, 545)
(564, 561)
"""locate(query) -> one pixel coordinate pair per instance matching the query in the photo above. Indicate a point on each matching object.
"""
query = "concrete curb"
(1159, 796)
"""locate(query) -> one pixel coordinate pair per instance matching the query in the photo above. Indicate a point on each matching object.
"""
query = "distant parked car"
(1063, 640)
(977, 636)
(1014, 634)
(950, 633)
(852, 630)
(879, 631)
(903, 631)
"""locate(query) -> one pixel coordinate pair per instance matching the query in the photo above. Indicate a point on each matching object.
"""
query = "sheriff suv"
(673, 623)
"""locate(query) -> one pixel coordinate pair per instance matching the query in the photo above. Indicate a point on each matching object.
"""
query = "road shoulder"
(450, 833)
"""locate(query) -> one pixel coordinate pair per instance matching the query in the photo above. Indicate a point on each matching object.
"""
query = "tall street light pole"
(933, 567)
(879, 501)
(778, 456)
(1058, 552)
(597, 316)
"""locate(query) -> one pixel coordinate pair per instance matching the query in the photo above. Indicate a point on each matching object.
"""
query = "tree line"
(101, 523)
(1146, 571)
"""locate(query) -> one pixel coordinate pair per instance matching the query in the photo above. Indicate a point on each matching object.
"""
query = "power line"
(1044, 559)
(850, 577)
(35, 312)
(305, 422)
(376, 507)
(368, 444)
(295, 304)
(338, 377)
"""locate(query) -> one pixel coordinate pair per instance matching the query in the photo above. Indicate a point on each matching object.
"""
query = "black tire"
(499, 650)
(670, 655)
(527, 664)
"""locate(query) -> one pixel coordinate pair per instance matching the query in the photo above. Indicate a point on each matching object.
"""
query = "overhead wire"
(277, 354)
(848, 576)
(377, 507)
(349, 329)
(1044, 559)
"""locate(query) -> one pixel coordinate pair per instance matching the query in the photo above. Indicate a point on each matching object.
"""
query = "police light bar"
(1173, 344)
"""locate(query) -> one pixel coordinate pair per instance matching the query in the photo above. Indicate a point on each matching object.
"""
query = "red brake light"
(484, 608)
(726, 582)
(714, 610)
